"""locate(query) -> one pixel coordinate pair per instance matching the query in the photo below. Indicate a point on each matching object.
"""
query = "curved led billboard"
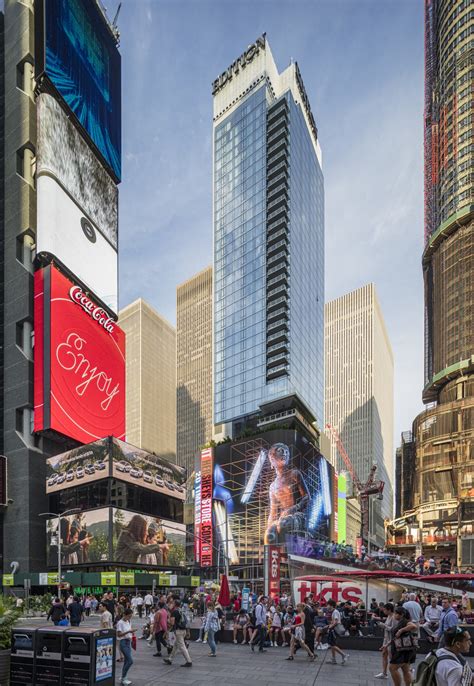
(79, 362)
(77, 52)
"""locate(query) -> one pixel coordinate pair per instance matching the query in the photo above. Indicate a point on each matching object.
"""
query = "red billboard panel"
(206, 508)
(274, 571)
(79, 362)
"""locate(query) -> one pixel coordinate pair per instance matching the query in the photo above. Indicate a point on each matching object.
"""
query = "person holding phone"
(125, 634)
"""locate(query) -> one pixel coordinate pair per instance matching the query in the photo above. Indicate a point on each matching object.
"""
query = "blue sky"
(362, 64)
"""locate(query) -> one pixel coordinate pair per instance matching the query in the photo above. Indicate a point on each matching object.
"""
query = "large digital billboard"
(77, 55)
(79, 362)
(114, 535)
(275, 489)
(62, 153)
(141, 468)
(66, 234)
(78, 466)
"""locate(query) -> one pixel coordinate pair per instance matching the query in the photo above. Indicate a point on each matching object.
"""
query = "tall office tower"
(268, 245)
(194, 367)
(404, 474)
(151, 379)
(359, 391)
(58, 251)
(444, 433)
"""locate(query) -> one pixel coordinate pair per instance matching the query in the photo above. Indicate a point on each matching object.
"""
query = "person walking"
(106, 621)
(299, 634)
(388, 626)
(178, 628)
(260, 624)
(336, 629)
(452, 668)
(448, 620)
(212, 626)
(148, 603)
(160, 627)
(76, 612)
(125, 634)
(140, 605)
(403, 647)
(56, 611)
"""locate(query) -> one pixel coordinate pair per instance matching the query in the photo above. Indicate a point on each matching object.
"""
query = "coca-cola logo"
(97, 313)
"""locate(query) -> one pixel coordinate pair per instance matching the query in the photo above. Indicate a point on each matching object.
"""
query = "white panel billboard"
(63, 153)
(62, 230)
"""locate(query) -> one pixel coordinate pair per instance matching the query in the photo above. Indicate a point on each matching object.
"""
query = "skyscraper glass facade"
(268, 251)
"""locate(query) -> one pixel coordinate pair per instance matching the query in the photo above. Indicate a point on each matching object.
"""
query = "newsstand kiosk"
(89, 657)
(22, 661)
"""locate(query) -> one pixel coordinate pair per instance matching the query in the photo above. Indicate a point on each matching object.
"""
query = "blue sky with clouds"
(362, 64)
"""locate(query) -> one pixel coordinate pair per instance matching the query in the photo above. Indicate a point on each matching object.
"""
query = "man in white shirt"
(105, 617)
(414, 609)
(148, 603)
(432, 617)
(140, 605)
(335, 630)
(452, 669)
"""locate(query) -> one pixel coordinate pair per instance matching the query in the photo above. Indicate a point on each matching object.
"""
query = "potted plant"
(9, 614)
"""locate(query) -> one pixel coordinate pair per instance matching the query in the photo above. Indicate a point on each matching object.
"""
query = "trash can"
(22, 661)
(89, 657)
(49, 656)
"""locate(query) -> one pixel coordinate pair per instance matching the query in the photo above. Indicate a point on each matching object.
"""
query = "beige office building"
(359, 391)
(194, 366)
(151, 379)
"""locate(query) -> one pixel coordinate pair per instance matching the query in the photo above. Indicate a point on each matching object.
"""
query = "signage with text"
(79, 357)
(274, 571)
(240, 63)
(206, 507)
(108, 578)
(197, 518)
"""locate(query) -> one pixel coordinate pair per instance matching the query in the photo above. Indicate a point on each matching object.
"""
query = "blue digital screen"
(82, 62)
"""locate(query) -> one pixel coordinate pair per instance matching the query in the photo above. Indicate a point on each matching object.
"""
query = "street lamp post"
(59, 516)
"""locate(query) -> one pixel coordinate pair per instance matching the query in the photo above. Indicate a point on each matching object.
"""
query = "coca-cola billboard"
(79, 362)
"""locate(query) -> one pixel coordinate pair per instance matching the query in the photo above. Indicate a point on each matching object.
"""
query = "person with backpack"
(446, 666)
(213, 625)
(335, 630)
(178, 626)
(403, 647)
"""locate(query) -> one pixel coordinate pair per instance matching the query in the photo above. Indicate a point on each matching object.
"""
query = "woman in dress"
(298, 635)
(402, 647)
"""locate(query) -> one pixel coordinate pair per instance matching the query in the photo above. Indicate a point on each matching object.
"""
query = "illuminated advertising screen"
(84, 538)
(147, 470)
(104, 658)
(275, 489)
(141, 540)
(117, 536)
(79, 362)
(66, 234)
(76, 52)
(197, 517)
(63, 155)
(78, 466)
(205, 524)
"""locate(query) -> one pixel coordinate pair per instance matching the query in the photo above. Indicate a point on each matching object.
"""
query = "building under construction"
(442, 517)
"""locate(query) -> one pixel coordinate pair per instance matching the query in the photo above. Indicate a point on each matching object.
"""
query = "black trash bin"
(49, 656)
(89, 657)
(22, 662)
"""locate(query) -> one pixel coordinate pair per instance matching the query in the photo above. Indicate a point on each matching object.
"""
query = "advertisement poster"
(76, 51)
(108, 578)
(141, 468)
(84, 538)
(126, 579)
(273, 489)
(63, 155)
(142, 540)
(78, 466)
(206, 508)
(197, 517)
(104, 658)
(79, 370)
(65, 233)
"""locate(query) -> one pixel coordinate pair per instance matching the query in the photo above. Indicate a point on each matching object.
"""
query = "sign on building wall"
(206, 507)
(79, 361)
(76, 52)
(197, 518)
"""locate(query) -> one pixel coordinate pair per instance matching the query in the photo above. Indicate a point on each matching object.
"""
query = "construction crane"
(364, 491)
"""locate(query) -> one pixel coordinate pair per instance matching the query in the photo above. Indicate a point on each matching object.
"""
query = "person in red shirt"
(160, 627)
(298, 634)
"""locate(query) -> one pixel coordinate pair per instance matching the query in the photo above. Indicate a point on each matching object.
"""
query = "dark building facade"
(444, 433)
(404, 474)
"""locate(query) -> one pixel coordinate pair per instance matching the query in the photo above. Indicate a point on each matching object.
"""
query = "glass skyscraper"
(268, 241)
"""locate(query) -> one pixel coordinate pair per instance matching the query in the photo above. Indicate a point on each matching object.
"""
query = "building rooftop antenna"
(115, 19)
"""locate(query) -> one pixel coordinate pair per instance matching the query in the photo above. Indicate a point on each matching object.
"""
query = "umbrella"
(224, 593)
